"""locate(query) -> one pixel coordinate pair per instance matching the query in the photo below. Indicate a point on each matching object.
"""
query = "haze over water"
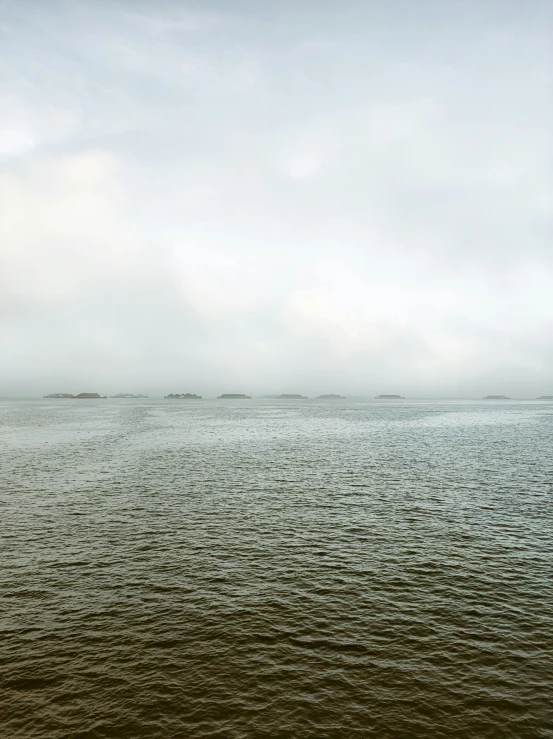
(276, 569)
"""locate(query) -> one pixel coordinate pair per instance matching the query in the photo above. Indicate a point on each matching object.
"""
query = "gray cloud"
(276, 198)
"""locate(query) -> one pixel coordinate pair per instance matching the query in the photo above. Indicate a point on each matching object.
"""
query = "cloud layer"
(269, 200)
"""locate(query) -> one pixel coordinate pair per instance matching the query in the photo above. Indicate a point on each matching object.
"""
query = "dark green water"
(276, 569)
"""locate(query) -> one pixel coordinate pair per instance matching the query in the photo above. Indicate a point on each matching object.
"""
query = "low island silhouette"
(545, 397)
(330, 396)
(128, 395)
(182, 396)
(291, 396)
(59, 395)
(90, 396)
(234, 396)
(496, 397)
(390, 397)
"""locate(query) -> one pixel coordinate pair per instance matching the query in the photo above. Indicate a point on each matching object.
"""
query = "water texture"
(276, 569)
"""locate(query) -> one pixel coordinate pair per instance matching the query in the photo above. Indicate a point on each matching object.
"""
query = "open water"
(276, 569)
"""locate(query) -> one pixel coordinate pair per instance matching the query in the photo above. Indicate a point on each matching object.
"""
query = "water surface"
(276, 569)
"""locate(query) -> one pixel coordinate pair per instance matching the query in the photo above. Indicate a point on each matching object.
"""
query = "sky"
(264, 197)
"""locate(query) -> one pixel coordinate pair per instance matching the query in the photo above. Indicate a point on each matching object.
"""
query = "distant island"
(59, 395)
(234, 396)
(128, 395)
(291, 396)
(496, 397)
(330, 396)
(390, 397)
(182, 396)
(89, 396)
(545, 397)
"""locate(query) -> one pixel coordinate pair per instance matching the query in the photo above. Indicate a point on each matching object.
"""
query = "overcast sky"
(291, 196)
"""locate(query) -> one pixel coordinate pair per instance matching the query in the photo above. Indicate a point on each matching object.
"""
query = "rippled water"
(276, 569)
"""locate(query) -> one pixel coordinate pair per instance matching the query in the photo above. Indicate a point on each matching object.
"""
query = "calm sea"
(250, 569)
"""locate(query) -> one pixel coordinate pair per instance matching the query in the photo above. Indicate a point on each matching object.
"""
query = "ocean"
(270, 568)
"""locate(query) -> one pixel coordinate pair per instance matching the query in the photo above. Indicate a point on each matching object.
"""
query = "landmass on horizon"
(241, 396)
(89, 396)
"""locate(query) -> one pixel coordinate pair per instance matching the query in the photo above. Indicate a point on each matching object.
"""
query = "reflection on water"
(253, 569)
